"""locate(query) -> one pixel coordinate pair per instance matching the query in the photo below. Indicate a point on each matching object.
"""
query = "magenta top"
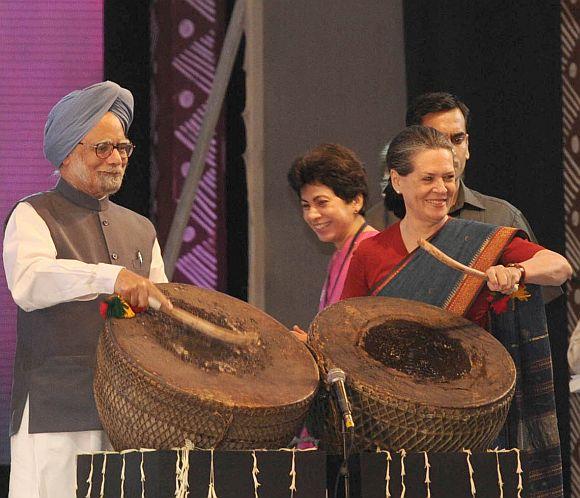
(338, 269)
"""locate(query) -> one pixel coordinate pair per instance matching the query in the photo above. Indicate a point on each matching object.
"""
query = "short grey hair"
(412, 140)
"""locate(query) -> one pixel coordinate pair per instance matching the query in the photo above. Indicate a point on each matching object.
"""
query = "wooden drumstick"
(448, 260)
(205, 327)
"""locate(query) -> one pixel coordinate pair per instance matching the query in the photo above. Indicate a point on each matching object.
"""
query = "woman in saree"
(421, 164)
(331, 183)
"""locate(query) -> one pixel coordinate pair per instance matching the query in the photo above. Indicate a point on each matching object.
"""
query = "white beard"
(98, 184)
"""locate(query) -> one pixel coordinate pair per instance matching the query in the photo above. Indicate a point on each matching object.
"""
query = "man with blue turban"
(64, 250)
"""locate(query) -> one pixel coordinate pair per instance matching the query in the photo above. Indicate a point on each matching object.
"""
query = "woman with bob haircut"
(331, 183)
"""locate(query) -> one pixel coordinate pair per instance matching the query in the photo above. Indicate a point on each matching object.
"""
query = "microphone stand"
(344, 471)
(342, 406)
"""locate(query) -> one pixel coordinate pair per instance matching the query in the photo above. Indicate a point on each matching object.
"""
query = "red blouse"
(375, 258)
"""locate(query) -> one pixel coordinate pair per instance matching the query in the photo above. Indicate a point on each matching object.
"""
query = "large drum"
(158, 383)
(419, 378)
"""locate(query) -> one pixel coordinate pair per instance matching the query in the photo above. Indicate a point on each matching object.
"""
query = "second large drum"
(419, 378)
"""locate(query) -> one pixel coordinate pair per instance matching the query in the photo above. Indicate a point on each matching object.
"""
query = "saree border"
(463, 296)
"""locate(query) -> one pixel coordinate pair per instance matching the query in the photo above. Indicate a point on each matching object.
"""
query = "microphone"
(336, 378)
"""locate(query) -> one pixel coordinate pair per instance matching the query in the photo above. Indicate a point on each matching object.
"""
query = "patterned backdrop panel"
(187, 37)
(47, 49)
(571, 136)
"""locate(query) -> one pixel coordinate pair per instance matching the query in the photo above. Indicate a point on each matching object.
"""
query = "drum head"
(276, 371)
(412, 350)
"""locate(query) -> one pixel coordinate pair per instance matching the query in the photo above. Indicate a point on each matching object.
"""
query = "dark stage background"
(502, 59)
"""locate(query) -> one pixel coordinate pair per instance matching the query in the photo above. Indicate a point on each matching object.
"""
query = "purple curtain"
(47, 49)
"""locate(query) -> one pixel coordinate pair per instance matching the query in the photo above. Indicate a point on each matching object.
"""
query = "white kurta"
(44, 465)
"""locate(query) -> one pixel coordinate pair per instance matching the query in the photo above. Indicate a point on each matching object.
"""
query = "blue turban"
(78, 112)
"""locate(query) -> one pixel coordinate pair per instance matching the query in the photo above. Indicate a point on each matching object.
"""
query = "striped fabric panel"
(187, 41)
(570, 43)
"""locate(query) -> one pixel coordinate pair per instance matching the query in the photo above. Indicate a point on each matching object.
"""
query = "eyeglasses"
(105, 149)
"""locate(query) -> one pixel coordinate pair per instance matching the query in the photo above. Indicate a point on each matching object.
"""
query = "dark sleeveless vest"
(56, 346)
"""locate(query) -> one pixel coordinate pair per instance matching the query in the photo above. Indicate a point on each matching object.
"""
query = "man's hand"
(136, 290)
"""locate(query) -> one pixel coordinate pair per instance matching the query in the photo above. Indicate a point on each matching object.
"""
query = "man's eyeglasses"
(105, 149)
(458, 138)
